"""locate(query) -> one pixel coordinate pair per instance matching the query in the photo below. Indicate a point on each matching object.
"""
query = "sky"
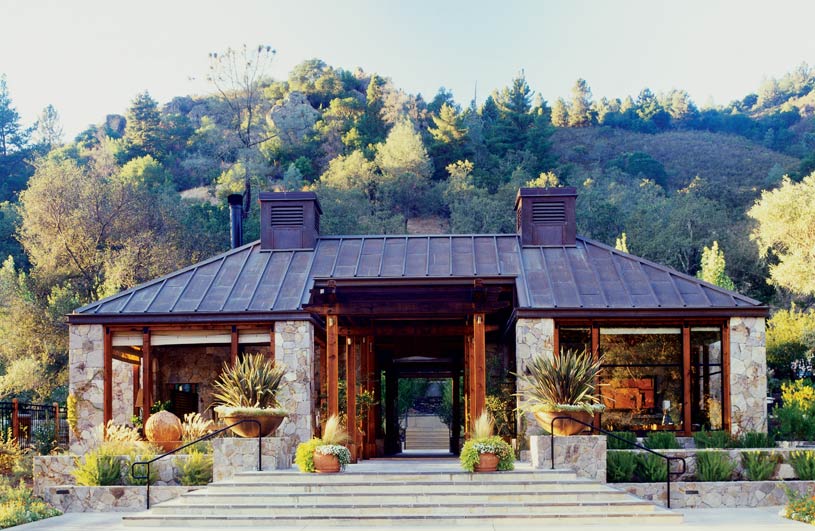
(90, 58)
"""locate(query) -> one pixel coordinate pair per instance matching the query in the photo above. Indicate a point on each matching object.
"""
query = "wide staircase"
(384, 493)
(426, 432)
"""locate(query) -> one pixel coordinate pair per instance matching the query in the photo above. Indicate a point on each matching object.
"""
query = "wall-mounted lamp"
(330, 321)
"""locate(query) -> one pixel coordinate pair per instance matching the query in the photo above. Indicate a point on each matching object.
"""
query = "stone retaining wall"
(585, 454)
(783, 472)
(234, 454)
(75, 499)
(715, 494)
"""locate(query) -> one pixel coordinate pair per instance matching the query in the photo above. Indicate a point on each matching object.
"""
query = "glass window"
(641, 381)
(706, 378)
(575, 339)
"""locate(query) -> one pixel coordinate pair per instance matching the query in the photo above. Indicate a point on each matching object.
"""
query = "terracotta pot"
(563, 426)
(268, 424)
(326, 464)
(487, 462)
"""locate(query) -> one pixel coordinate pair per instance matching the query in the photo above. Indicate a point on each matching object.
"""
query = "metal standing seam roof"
(589, 275)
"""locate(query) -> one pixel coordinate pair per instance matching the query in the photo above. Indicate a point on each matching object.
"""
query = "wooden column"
(595, 350)
(373, 378)
(480, 364)
(351, 392)
(233, 346)
(136, 368)
(147, 375)
(468, 386)
(726, 415)
(271, 344)
(15, 419)
(57, 420)
(456, 428)
(686, 381)
(332, 373)
(107, 375)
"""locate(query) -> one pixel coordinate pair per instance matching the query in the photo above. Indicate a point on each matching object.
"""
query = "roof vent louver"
(287, 216)
(289, 220)
(548, 213)
(545, 216)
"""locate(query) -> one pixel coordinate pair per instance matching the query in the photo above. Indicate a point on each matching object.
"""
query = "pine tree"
(13, 136)
(580, 114)
(514, 104)
(560, 113)
(449, 136)
(143, 134)
(713, 267)
(49, 129)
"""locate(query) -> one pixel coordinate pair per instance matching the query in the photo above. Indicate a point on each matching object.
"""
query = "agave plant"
(251, 383)
(564, 382)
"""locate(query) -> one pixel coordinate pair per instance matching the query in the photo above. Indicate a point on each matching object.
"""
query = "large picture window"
(706, 378)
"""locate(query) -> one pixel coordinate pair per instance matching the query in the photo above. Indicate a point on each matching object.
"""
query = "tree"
(406, 168)
(785, 218)
(713, 267)
(14, 147)
(580, 113)
(143, 135)
(49, 128)
(514, 104)
(237, 75)
(449, 137)
(791, 343)
(622, 243)
(560, 113)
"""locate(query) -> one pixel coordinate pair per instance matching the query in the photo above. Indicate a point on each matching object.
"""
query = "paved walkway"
(763, 519)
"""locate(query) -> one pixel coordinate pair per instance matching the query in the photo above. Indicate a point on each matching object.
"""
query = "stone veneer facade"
(533, 337)
(294, 349)
(86, 362)
(585, 454)
(748, 374)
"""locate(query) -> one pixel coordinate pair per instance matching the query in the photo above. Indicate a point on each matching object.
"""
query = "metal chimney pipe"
(235, 220)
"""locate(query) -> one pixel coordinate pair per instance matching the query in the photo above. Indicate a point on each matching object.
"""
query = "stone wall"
(75, 499)
(122, 392)
(195, 364)
(533, 337)
(748, 374)
(235, 454)
(85, 374)
(585, 454)
(294, 348)
(715, 494)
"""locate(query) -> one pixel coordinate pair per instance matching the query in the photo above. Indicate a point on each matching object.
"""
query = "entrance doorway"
(426, 416)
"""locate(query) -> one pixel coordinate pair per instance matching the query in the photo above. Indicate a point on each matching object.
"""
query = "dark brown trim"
(686, 380)
(351, 393)
(147, 376)
(332, 365)
(640, 313)
(233, 346)
(726, 401)
(183, 318)
(381, 282)
(480, 364)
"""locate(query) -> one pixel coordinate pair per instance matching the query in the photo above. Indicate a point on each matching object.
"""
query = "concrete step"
(273, 477)
(657, 517)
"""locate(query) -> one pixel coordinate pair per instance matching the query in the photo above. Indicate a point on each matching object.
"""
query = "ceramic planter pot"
(487, 462)
(326, 464)
(268, 424)
(563, 426)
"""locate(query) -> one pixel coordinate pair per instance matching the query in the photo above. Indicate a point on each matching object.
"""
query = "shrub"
(661, 440)
(494, 444)
(195, 470)
(756, 439)
(651, 468)
(803, 463)
(330, 443)
(616, 444)
(44, 438)
(799, 507)
(10, 452)
(251, 382)
(18, 505)
(140, 470)
(620, 466)
(304, 456)
(714, 466)
(568, 379)
(796, 417)
(759, 466)
(713, 439)
(98, 468)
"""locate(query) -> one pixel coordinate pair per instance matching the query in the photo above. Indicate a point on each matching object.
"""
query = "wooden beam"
(364, 383)
(351, 392)
(408, 309)
(726, 413)
(272, 343)
(480, 363)
(136, 386)
(147, 375)
(686, 381)
(413, 330)
(456, 428)
(370, 429)
(595, 350)
(233, 346)
(468, 386)
(332, 364)
(107, 372)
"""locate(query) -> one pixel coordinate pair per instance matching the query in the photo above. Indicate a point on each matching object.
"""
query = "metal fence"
(30, 423)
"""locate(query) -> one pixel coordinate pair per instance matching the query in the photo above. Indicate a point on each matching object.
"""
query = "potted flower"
(248, 389)
(326, 454)
(562, 386)
(485, 452)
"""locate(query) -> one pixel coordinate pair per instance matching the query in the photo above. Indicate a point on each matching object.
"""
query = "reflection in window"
(574, 339)
(706, 378)
(641, 383)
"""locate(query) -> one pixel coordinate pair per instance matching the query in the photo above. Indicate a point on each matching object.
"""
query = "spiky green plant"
(564, 380)
(483, 426)
(251, 382)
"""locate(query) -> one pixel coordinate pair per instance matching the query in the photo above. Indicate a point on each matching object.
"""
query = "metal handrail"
(607, 433)
(204, 438)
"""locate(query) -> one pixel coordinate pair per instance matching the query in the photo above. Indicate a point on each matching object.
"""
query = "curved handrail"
(607, 433)
(146, 464)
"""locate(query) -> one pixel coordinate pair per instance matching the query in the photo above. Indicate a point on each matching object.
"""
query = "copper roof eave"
(415, 281)
(182, 318)
(642, 313)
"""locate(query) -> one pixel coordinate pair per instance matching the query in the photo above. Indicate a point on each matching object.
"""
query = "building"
(680, 354)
